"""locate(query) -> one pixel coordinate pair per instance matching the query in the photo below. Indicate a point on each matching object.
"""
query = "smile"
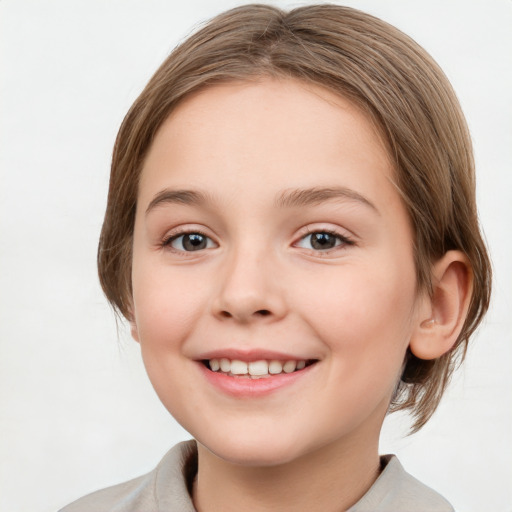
(255, 369)
(255, 377)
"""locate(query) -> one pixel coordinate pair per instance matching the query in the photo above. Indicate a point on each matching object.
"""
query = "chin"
(254, 450)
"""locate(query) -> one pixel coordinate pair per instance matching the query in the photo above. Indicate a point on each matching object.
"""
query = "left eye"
(321, 241)
(190, 242)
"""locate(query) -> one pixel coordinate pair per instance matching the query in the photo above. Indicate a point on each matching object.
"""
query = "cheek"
(167, 305)
(365, 325)
(363, 314)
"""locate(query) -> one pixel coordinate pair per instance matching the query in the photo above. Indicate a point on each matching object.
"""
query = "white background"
(76, 410)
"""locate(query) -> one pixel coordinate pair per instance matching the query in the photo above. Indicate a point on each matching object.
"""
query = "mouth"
(254, 373)
(254, 370)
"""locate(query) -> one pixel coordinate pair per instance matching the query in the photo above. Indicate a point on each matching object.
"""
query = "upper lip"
(251, 355)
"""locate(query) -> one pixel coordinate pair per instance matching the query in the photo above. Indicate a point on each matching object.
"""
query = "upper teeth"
(255, 368)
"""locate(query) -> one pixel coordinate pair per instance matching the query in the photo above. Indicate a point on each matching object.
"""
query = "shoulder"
(397, 491)
(164, 488)
(125, 497)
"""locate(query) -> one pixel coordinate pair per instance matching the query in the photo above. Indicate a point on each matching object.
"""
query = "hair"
(386, 74)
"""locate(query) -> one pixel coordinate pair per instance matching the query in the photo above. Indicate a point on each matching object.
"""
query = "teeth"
(225, 365)
(258, 368)
(289, 366)
(239, 367)
(255, 369)
(275, 367)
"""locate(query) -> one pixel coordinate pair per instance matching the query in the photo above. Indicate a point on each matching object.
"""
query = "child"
(291, 233)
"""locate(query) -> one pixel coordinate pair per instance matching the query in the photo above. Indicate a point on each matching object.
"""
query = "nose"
(249, 289)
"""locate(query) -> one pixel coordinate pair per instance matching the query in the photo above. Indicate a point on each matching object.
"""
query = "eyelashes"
(323, 240)
(319, 241)
(189, 241)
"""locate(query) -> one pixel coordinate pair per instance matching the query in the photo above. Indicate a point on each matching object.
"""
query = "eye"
(323, 241)
(188, 242)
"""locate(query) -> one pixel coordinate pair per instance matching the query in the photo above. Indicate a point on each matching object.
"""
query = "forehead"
(263, 134)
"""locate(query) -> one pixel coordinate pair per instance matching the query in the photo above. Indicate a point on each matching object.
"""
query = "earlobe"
(442, 318)
(134, 331)
(133, 326)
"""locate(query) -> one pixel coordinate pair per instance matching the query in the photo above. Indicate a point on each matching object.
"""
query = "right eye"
(189, 242)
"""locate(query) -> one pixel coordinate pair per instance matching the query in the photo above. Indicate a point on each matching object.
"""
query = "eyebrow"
(291, 198)
(187, 197)
(312, 196)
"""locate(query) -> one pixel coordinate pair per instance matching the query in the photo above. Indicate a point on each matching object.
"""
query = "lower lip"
(243, 387)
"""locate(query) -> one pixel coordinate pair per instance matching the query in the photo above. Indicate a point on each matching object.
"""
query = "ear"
(134, 331)
(133, 325)
(442, 316)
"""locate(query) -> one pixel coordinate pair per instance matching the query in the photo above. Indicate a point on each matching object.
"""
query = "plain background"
(76, 410)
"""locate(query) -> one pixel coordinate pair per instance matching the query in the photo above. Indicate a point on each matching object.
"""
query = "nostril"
(259, 312)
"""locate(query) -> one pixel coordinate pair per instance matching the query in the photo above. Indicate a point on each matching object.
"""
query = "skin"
(260, 284)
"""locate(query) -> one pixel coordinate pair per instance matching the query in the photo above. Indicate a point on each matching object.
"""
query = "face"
(274, 291)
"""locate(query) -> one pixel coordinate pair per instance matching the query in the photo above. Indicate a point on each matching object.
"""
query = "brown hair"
(380, 69)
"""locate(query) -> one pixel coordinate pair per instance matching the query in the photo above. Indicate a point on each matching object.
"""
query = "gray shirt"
(166, 489)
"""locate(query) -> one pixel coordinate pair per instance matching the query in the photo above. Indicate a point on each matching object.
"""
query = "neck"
(331, 478)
